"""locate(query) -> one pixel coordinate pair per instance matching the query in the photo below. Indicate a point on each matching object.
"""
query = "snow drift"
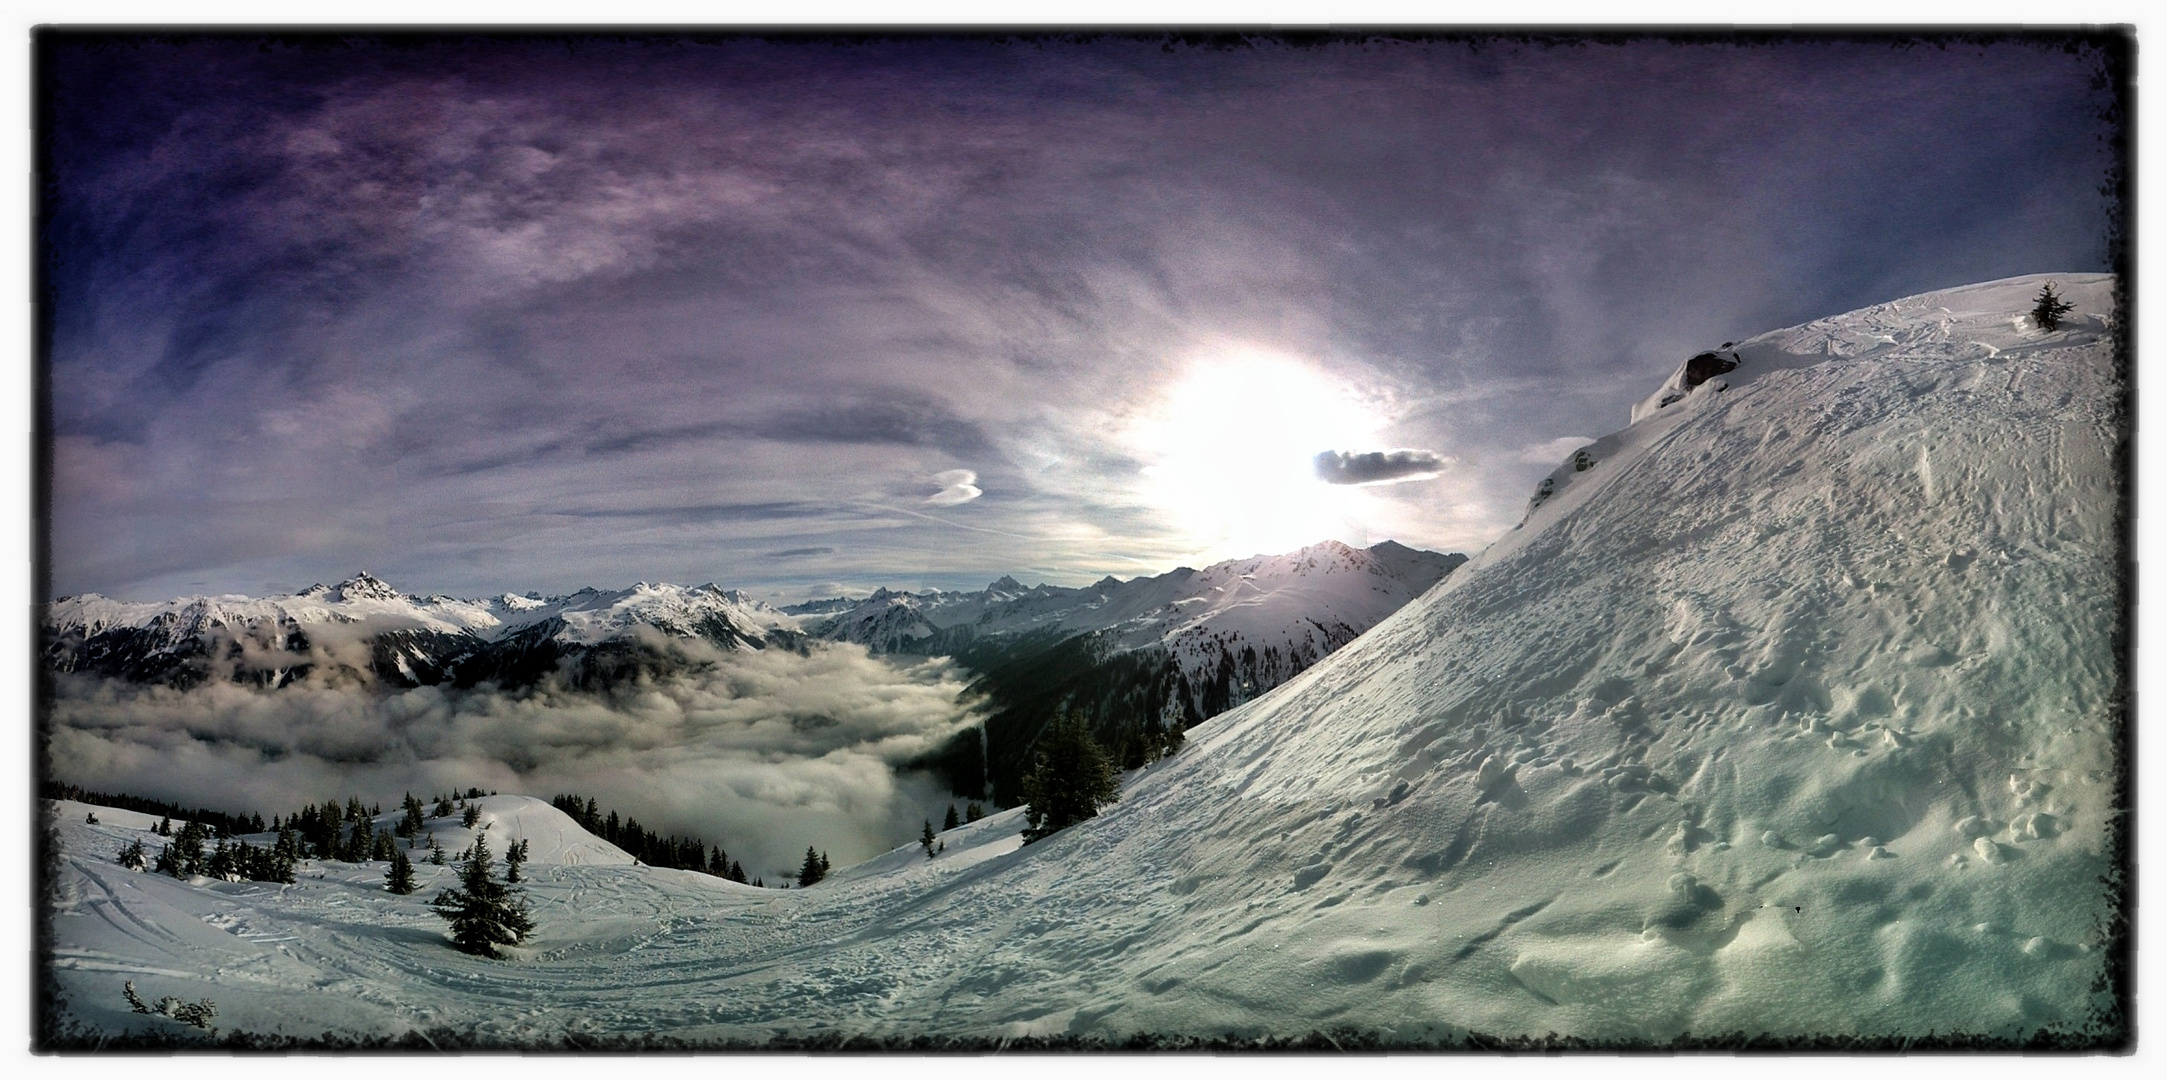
(1791, 709)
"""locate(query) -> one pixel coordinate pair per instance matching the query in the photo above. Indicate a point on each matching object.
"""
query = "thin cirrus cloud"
(958, 486)
(1379, 466)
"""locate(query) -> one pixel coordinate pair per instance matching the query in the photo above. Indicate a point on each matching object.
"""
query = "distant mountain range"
(1132, 657)
(364, 626)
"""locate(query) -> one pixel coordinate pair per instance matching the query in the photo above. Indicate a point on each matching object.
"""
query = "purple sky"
(799, 316)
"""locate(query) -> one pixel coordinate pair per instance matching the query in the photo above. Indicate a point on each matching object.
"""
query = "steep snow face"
(1793, 711)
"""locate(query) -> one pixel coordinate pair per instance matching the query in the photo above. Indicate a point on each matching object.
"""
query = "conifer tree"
(925, 840)
(737, 872)
(288, 845)
(165, 826)
(132, 856)
(443, 807)
(514, 857)
(436, 851)
(812, 871)
(1072, 778)
(717, 866)
(484, 913)
(188, 849)
(973, 812)
(2049, 309)
(383, 847)
(410, 823)
(951, 821)
(473, 814)
(220, 863)
(400, 879)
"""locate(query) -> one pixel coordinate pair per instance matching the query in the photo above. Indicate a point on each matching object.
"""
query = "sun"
(1232, 445)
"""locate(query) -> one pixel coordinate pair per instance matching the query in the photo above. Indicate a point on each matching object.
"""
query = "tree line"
(652, 848)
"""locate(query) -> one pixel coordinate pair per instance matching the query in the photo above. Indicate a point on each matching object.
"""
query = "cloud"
(763, 752)
(957, 486)
(799, 553)
(1379, 466)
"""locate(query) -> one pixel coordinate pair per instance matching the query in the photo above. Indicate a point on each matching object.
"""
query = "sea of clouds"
(765, 752)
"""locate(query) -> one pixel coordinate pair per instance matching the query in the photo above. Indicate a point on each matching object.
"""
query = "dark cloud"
(1378, 466)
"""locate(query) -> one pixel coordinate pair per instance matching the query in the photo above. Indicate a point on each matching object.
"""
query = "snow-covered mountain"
(1270, 602)
(367, 627)
(1177, 648)
(1792, 709)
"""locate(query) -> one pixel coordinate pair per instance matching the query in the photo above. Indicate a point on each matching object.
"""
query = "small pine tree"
(436, 851)
(443, 807)
(165, 827)
(188, 849)
(952, 820)
(973, 812)
(1072, 778)
(400, 879)
(926, 840)
(2049, 309)
(484, 913)
(410, 823)
(132, 856)
(472, 815)
(812, 871)
(737, 872)
(514, 857)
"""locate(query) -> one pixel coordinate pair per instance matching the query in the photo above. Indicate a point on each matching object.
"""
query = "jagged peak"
(1007, 583)
(365, 586)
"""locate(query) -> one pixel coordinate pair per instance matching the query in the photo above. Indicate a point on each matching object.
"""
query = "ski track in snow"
(1795, 713)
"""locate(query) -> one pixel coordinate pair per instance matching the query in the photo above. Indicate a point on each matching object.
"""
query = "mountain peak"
(1007, 583)
(365, 586)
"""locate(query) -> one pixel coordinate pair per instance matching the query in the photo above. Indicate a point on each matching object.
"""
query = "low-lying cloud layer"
(1379, 466)
(762, 752)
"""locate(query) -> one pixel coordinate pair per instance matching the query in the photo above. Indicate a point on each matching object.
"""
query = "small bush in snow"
(195, 1014)
(132, 856)
(2049, 310)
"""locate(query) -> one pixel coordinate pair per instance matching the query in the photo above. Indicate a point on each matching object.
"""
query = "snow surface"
(1795, 712)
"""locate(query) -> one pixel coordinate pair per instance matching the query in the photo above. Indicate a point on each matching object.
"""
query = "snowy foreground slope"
(1791, 709)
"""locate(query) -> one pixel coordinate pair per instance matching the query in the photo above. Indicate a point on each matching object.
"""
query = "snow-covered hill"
(365, 626)
(1792, 708)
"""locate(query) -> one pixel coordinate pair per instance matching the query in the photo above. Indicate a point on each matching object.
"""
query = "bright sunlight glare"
(1233, 447)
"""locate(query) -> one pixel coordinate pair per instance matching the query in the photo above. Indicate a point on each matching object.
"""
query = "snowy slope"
(1794, 712)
